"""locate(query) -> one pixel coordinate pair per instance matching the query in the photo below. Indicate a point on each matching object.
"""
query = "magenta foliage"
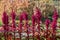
(25, 15)
(55, 15)
(5, 18)
(54, 23)
(21, 19)
(38, 17)
(33, 24)
(13, 15)
(20, 24)
(33, 20)
(38, 13)
(47, 22)
(5, 21)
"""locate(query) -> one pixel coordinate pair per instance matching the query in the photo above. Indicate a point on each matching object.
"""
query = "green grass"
(58, 20)
(0, 23)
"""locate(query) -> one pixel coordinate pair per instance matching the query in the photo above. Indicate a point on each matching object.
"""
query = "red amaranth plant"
(38, 13)
(5, 18)
(20, 24)
(55, 15)
(33, 24)
(25, 17)
(5, 22)
(38, 17)
(47, 22)
(13, 15)
(54, 23)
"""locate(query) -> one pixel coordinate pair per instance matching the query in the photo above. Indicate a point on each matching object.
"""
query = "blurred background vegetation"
(46, 7)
